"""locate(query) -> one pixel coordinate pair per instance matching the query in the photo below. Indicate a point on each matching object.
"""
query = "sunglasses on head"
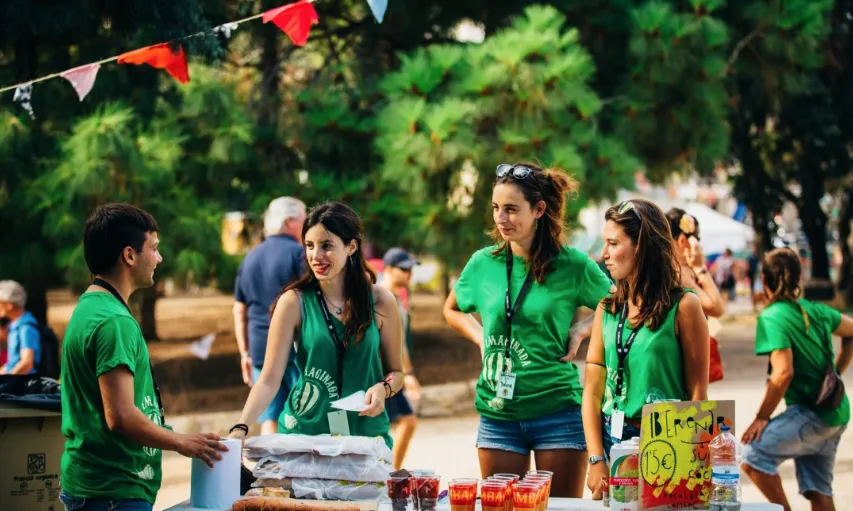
(629, 206)
(518, 171)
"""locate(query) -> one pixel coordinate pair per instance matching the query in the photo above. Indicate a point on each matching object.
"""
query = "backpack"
(49, 365)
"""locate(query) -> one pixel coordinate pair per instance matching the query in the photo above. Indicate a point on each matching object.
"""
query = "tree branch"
(739, 48)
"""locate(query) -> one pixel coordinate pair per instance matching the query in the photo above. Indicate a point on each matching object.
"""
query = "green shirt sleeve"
(466, 286)
(594, 285)
(115, 344)
(830, 315)
(769, 336)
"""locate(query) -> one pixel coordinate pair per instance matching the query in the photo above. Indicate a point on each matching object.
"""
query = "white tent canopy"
(718, 232)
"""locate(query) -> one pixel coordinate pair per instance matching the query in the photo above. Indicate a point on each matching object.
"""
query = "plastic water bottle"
(725, 472)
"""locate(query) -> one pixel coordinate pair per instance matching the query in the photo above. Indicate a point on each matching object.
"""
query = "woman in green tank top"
(649, 337)
(347, 332)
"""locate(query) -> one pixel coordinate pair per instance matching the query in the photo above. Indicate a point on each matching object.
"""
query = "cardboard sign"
(675, 463)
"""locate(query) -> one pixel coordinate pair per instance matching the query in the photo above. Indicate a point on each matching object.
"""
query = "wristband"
(242, 427)
(244, 355)
(389, 393)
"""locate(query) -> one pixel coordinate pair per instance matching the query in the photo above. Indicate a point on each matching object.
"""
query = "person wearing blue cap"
(397, 274)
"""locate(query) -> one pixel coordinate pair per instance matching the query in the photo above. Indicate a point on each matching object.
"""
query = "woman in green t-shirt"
(797, 335)
(348, 333)
(528, 393)
(649, 338)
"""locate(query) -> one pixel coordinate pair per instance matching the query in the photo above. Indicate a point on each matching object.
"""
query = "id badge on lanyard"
(338, 422)
(506, 378)
(617, 418)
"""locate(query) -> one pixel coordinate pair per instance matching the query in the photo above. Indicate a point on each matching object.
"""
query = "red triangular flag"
(161, 56)
(294, 19)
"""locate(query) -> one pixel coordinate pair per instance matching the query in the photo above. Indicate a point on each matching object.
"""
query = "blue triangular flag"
(378, 7)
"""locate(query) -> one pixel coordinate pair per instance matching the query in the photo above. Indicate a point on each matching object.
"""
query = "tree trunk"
(37, 300)
(147, 312)
(814, 219)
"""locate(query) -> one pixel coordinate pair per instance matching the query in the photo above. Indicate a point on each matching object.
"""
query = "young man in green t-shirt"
(112, 416)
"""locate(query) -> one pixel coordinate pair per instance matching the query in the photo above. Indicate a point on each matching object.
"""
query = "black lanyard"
(109, 287)
(510, 309)
(622, 353)
(340, 344)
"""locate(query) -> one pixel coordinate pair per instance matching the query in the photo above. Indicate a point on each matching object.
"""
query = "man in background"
(396, 276)
(265, 271)
(23, 344)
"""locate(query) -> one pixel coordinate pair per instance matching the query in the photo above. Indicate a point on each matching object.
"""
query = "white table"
(555, 504)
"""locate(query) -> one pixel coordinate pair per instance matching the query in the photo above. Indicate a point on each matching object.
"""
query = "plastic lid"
(725, 427)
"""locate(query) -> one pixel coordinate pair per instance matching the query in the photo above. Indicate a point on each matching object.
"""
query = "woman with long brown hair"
(526, 288)
(649, 337)
(348, 331)
(797, 335)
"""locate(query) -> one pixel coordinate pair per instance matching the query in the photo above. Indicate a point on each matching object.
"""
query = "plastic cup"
(493, 494)
(527, 496)
(463, 494)
(399, 490)
(546, 479)
(427, 486)
(413, 489)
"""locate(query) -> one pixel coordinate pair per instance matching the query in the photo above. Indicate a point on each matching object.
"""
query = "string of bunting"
(293, 19)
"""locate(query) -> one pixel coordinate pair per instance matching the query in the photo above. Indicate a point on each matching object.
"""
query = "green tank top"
(317, 358)
(654, 364)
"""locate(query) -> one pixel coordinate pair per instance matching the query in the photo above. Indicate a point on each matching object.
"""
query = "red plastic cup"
(527, 496)
(463, 494)
(511, 480)
(493, 495)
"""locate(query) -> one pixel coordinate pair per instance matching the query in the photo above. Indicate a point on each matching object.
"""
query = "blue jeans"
(72, 503)
(607, 438)
(559, 430)
(799, 434)
(291, 377)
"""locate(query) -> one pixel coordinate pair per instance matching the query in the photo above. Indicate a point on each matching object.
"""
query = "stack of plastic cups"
(399, 489)
(544, 476)
(413, 488)
(463, 494)
(511, 480)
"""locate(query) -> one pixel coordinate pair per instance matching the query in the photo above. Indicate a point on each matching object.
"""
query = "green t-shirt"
(540, 330)
(306, 410)
(781, 326)
(98, 463)
(654, 364)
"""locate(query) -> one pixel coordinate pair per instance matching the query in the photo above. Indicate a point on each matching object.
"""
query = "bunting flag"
(378, 7)
(294, 19)
(82, 78)
(23, 95)
(161, 56)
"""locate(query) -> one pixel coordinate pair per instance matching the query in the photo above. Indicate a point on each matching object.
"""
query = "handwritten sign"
(675, 463)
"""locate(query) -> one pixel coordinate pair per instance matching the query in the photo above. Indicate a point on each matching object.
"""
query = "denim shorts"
(72, 503)
(798, 434)
(560, 430)
(276, 407)
(607, 438)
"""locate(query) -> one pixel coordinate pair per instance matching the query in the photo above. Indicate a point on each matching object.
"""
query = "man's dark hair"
(110, 229)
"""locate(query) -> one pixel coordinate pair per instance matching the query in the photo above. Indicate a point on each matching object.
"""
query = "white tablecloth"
(554, 504)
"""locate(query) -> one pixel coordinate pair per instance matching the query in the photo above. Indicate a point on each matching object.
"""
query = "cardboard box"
(31, 445)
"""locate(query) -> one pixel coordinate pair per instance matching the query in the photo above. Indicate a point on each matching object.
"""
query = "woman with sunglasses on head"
(796, 334)
(650, 336)
(348, 333)
(694, 273)
(526, 289)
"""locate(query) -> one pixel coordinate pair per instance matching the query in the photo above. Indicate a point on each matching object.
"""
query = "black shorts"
(398, 406)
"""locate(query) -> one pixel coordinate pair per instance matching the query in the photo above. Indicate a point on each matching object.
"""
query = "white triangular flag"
(201, 348)
(23, 94)
(82, 78)
(378, 7)
(226, 29)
